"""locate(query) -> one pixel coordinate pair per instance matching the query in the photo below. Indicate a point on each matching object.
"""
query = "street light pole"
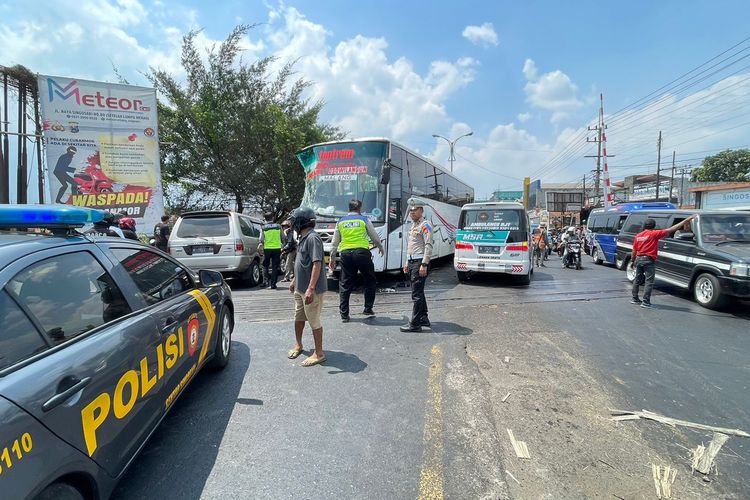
(452, 144)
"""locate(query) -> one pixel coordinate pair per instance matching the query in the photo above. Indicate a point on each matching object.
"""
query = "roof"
(505, 204)
(562, 185)
(720, 187)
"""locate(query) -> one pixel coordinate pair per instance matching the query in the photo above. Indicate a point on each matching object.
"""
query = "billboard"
(102, 147)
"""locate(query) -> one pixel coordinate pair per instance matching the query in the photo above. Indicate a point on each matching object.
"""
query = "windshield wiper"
(732, 241)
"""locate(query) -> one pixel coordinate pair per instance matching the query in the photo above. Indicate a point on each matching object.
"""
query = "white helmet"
(571, 229)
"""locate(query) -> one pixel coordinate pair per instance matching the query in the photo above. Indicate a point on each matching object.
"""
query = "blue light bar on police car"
(48, 216)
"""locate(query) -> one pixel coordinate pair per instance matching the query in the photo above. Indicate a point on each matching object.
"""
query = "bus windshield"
(490, 219)
(335, 174)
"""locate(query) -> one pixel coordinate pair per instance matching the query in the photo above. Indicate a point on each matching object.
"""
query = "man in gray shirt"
(309, 284)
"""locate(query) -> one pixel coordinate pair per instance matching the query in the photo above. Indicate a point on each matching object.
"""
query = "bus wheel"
(462, 276)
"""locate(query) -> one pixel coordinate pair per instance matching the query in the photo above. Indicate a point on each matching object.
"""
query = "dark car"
(100, 337)
(712, 260)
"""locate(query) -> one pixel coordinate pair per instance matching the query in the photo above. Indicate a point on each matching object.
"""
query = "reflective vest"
(272, 237)
(353, 230)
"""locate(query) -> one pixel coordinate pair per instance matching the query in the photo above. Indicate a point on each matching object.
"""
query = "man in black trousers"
(352, 239)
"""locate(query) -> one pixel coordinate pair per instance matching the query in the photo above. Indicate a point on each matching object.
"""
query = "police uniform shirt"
(419, 243)
(371, 232)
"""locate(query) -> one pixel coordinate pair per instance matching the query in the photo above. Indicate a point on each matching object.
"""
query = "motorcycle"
(573, 254)
(92, 180)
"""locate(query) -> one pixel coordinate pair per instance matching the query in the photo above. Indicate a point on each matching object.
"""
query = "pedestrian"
(540, 247)
(644, 255)
(418, 250)
(289, 251)
(272, 242)
(161, 234)
(63, 170)
(127, 224)
(352, 240)
(106, 227)
(309, 284)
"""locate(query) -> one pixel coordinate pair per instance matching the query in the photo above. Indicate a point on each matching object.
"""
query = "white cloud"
(365, 92)
(553, 91)
(524, 117)
(481, 35)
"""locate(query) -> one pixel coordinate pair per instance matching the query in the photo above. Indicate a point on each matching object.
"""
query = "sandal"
(313, 361)
(294, 353)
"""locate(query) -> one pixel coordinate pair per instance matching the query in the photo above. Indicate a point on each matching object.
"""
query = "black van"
(713, 261)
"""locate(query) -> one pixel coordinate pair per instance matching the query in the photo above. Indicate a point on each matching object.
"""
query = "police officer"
(271, 239)
(419, 250)
(352, 239)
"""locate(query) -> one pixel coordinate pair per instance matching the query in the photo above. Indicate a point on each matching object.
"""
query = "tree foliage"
(231, 129)
(727, 166)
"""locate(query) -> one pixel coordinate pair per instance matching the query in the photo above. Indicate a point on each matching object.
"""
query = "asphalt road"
(394, 415)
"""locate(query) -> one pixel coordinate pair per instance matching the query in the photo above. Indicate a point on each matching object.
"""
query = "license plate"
(203, 249)
(492, 250)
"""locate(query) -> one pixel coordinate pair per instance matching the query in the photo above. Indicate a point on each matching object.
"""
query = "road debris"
(522, 451)
(619, 415)
(663, 480)
(507, 359)
(512, 476)
(703, 458)
(505, 398)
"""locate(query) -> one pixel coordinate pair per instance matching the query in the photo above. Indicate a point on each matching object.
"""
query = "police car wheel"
(60, 491)
(223, 340)
(707, 291)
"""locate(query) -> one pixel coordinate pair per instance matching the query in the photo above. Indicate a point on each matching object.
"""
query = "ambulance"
(494, 237)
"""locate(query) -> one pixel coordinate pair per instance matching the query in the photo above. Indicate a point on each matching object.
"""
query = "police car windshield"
(490, 220)
(335, 174)
(725, 228)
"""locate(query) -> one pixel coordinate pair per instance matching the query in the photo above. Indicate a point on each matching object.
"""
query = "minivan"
(219, 240)
(712, 260)
(604, 225)
(493, 237)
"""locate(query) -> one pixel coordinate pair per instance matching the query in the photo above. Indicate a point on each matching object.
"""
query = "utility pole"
(584, 192)
(598, 141)
(671, 179)
(658, 165)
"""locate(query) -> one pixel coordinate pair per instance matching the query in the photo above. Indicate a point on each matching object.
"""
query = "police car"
(100, 337)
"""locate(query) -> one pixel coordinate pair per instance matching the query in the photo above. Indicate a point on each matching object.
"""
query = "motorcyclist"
(570, 234)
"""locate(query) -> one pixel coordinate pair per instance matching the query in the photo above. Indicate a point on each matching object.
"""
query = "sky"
(524, 77)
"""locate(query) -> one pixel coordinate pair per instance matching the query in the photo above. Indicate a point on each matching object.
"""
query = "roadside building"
(723, 196)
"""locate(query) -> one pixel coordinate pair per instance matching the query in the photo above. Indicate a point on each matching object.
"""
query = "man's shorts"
(308, 312)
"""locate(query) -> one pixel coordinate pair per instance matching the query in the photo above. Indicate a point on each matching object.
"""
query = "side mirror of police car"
(210, 278)
(685, 236)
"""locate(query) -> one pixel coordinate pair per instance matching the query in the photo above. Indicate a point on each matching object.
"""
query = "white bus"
(383, 175)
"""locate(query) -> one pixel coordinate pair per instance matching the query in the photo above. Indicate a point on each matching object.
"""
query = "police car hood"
(734, 251)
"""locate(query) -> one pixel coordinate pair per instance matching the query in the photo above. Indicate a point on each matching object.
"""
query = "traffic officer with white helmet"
(419, 250)
(352, 240)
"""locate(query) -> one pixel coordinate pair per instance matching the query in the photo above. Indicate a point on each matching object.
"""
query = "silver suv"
(221, 241)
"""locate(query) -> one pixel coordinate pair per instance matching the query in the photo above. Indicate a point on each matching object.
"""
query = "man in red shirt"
(643, 257)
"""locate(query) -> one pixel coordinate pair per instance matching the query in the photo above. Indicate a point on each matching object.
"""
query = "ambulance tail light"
(460, 245)
(519, 247)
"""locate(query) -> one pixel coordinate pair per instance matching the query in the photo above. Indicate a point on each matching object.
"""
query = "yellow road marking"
(431, 477)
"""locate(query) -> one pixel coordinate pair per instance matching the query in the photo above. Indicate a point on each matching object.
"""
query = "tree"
(727, 166)
(232, 128)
